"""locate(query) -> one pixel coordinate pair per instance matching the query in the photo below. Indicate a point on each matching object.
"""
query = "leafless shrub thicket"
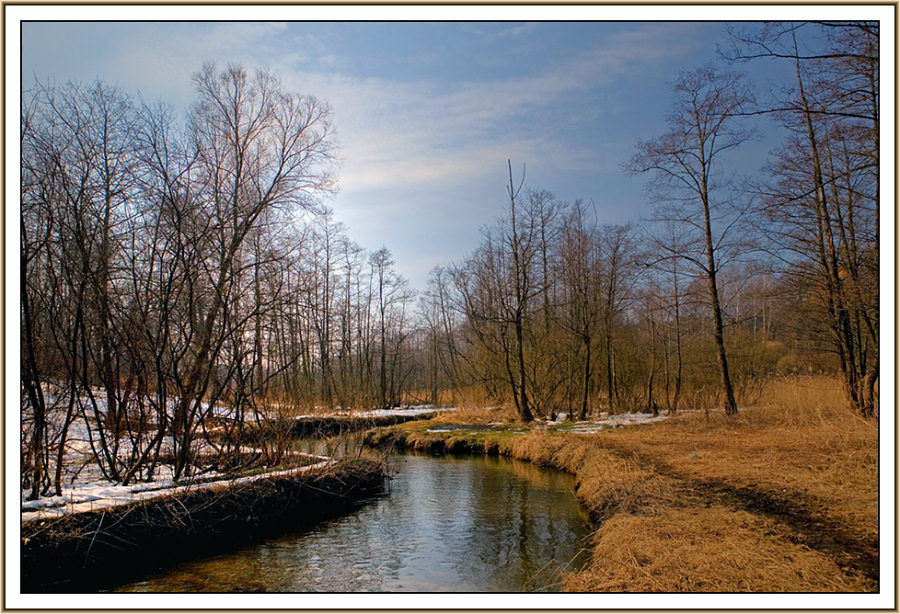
(180, 282)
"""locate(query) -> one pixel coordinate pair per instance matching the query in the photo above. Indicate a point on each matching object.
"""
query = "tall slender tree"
(703, 127)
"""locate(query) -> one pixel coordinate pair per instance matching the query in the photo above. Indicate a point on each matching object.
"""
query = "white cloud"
(512, 32)
(395, 134)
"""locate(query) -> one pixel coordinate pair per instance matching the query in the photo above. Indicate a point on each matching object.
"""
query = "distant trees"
(445, 361)
(506, 292)
(541, 297)
(580, 270)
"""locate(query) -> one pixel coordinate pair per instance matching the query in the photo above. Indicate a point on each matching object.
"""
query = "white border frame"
(672, 12)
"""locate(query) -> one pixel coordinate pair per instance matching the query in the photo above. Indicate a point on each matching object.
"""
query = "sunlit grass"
(676, 501)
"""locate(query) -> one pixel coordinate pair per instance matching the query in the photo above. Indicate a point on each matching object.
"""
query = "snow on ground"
(85, 489)
(608, 421)
(89, 496)
(416, 410)
(409, 411)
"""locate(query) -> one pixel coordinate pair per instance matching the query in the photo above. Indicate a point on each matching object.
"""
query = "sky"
(426, 113)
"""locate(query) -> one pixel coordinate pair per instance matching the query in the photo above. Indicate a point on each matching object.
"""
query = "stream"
(448, 523)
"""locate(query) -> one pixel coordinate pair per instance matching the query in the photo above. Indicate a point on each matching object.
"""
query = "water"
(449, 524)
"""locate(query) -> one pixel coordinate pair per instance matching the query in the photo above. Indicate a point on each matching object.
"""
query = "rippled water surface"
(448, 524)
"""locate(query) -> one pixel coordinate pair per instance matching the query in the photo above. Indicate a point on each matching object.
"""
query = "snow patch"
(607, 421)
(93, 496)
(416, 410)
(99, 494)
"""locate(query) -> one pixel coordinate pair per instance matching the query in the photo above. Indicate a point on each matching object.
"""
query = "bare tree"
(258, 148)
(581, 272)
(824, 201)
(703, 128)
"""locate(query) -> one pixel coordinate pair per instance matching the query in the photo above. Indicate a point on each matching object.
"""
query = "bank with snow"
(90, 545)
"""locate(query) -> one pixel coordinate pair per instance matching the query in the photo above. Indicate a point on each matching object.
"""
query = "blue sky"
(426, 113)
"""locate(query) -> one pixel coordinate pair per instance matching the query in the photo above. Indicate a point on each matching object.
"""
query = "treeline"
(565, 314)
(729, 282)
(180, 282)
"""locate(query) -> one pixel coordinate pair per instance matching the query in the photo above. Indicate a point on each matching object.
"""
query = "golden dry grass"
(477, 415)
(711, 549)
(802, 444)
(470, 397)
(782, 497)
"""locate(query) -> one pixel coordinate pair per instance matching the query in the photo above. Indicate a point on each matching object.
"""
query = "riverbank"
(330, 424)
(781, 498)
(95, 549)
(325, 426)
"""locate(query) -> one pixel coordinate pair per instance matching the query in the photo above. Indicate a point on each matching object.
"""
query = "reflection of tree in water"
(526, 526)
(538, 477)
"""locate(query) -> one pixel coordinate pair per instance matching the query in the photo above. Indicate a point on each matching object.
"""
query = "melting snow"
(91, 496)
(418, 410)
(607, 421)
(88, 491)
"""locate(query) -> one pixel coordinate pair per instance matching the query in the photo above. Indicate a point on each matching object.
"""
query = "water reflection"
(449, 524)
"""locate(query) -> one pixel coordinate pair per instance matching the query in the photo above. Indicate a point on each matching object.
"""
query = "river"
(449, 523)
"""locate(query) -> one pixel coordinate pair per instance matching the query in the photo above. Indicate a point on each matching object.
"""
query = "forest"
(183, 281)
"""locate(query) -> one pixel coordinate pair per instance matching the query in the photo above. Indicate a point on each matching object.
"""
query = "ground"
(781, 498)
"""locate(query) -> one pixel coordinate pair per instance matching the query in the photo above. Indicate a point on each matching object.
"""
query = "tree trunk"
(586, 378)
(718, 326)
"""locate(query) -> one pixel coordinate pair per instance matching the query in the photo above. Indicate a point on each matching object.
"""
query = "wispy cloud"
(511, 32)
(397, 133)
(164, 69)
(423, 157)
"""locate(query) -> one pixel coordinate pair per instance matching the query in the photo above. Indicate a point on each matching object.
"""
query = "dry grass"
(706, 550)
(802, 446)
(782, 497)
(470, 397)
(805, 401)
(478, 415)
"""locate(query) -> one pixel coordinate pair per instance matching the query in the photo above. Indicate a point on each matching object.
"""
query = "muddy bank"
(91, 551)
(452, 439)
